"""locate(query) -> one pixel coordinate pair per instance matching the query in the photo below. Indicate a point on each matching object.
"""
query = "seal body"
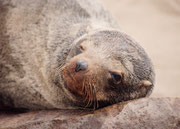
(67, 54)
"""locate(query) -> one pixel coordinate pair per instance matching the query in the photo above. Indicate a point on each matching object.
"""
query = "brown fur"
(40, 44)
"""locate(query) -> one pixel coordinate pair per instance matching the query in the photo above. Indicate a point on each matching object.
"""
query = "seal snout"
(81, 65)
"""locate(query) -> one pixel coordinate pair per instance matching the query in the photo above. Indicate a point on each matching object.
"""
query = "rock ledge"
(158, 113)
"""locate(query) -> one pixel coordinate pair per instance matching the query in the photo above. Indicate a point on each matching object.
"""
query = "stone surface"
(157, 113)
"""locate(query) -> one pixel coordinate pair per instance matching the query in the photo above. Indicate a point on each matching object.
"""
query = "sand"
(155, 24)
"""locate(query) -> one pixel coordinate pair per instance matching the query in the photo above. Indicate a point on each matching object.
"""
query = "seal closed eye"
(67, 54)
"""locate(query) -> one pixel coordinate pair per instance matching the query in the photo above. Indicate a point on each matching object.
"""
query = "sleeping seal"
(67, 54)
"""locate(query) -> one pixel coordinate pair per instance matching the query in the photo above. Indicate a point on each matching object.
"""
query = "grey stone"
(146, 113)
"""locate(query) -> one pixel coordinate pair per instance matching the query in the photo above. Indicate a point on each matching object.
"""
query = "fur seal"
(67, 54)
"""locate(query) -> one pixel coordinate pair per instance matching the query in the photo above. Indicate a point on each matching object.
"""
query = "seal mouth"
(81, 83)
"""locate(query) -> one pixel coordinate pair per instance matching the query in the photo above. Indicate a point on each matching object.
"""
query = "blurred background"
(155, 24)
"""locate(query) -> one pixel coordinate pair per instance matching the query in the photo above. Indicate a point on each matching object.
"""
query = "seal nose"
(81, 65)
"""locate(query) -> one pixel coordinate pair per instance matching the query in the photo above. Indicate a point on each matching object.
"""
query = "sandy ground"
(155, 24)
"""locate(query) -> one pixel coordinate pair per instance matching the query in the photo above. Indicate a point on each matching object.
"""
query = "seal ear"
(145, 83)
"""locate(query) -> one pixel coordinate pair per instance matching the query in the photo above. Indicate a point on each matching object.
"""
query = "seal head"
(104, 68)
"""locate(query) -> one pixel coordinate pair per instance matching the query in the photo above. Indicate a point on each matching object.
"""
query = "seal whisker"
(83, 86)
(86, 92)
(86, 95)
(89, 95)
(96, 104)
(91, 89)
(61, 68)
(94, 98)
(89, 102)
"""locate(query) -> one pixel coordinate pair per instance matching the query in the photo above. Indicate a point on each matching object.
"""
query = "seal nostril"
(81, 65)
